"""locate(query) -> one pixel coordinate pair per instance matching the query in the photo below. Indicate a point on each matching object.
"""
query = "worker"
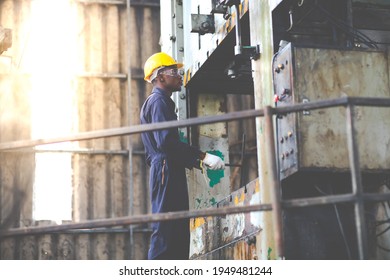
(168, 157)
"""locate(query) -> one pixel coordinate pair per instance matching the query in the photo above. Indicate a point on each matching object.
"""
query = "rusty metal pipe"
(357, 187)
(136, 219)
(246, 114)
(275, 183)
(332, 199)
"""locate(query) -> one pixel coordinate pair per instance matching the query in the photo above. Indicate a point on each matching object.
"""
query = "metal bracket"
(305, 112)
(252, 52)
(229, 2)
(241, 65)
(202, 24)
(218, 8)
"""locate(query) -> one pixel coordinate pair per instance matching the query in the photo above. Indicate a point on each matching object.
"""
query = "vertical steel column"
(357, 188)
(130, 148)
(260, 24)
(274, 182)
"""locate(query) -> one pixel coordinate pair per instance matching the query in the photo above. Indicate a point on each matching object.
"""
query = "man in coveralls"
(168, 157)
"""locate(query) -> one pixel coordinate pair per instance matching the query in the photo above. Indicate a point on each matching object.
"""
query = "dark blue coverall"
(167, 157)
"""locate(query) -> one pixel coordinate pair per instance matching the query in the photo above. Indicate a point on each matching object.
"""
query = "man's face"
(173, 78)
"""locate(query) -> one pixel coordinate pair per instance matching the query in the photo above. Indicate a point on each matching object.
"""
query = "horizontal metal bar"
(122, 131)
(321, 104)
(137, 219)
(149, 218)
(103, 230)
(333, 199)
(99, 152)
(233, 164)
(315, 201)
(105, 2)
(144, 3)
(195, 121)
(376, 197)
(102, 75)
(369, 101)
(342, 101)
(70, 151)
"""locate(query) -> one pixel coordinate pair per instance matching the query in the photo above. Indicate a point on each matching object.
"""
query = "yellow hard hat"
(156, 61)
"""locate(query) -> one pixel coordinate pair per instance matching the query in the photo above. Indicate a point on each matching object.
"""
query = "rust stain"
(257, 186)
(198, 222)
(239, 198)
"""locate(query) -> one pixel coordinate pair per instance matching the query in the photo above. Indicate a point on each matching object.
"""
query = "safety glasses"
(174, 72)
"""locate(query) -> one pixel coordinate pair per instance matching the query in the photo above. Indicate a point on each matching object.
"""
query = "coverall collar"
(159, 90)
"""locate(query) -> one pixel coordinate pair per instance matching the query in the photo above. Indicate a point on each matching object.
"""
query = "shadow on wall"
(12, 205)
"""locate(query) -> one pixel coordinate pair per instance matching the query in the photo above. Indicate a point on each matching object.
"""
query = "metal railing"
(358, 197)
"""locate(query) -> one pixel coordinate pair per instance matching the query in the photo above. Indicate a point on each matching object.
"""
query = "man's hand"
(213, 162)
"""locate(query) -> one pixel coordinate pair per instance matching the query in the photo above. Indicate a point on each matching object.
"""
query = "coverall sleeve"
(167, 140)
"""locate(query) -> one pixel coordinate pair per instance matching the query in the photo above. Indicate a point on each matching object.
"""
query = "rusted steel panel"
(211, 186)
(320, 135)
(209, 234)
(209, 42)
(335, 74)
(243, 249)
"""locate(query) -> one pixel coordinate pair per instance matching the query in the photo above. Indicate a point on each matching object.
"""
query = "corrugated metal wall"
(108, 180)
(109, 176)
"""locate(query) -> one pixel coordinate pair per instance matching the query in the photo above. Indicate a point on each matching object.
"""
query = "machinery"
(283, 53)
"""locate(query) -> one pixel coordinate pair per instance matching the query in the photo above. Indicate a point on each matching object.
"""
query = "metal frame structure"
(357, 197)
